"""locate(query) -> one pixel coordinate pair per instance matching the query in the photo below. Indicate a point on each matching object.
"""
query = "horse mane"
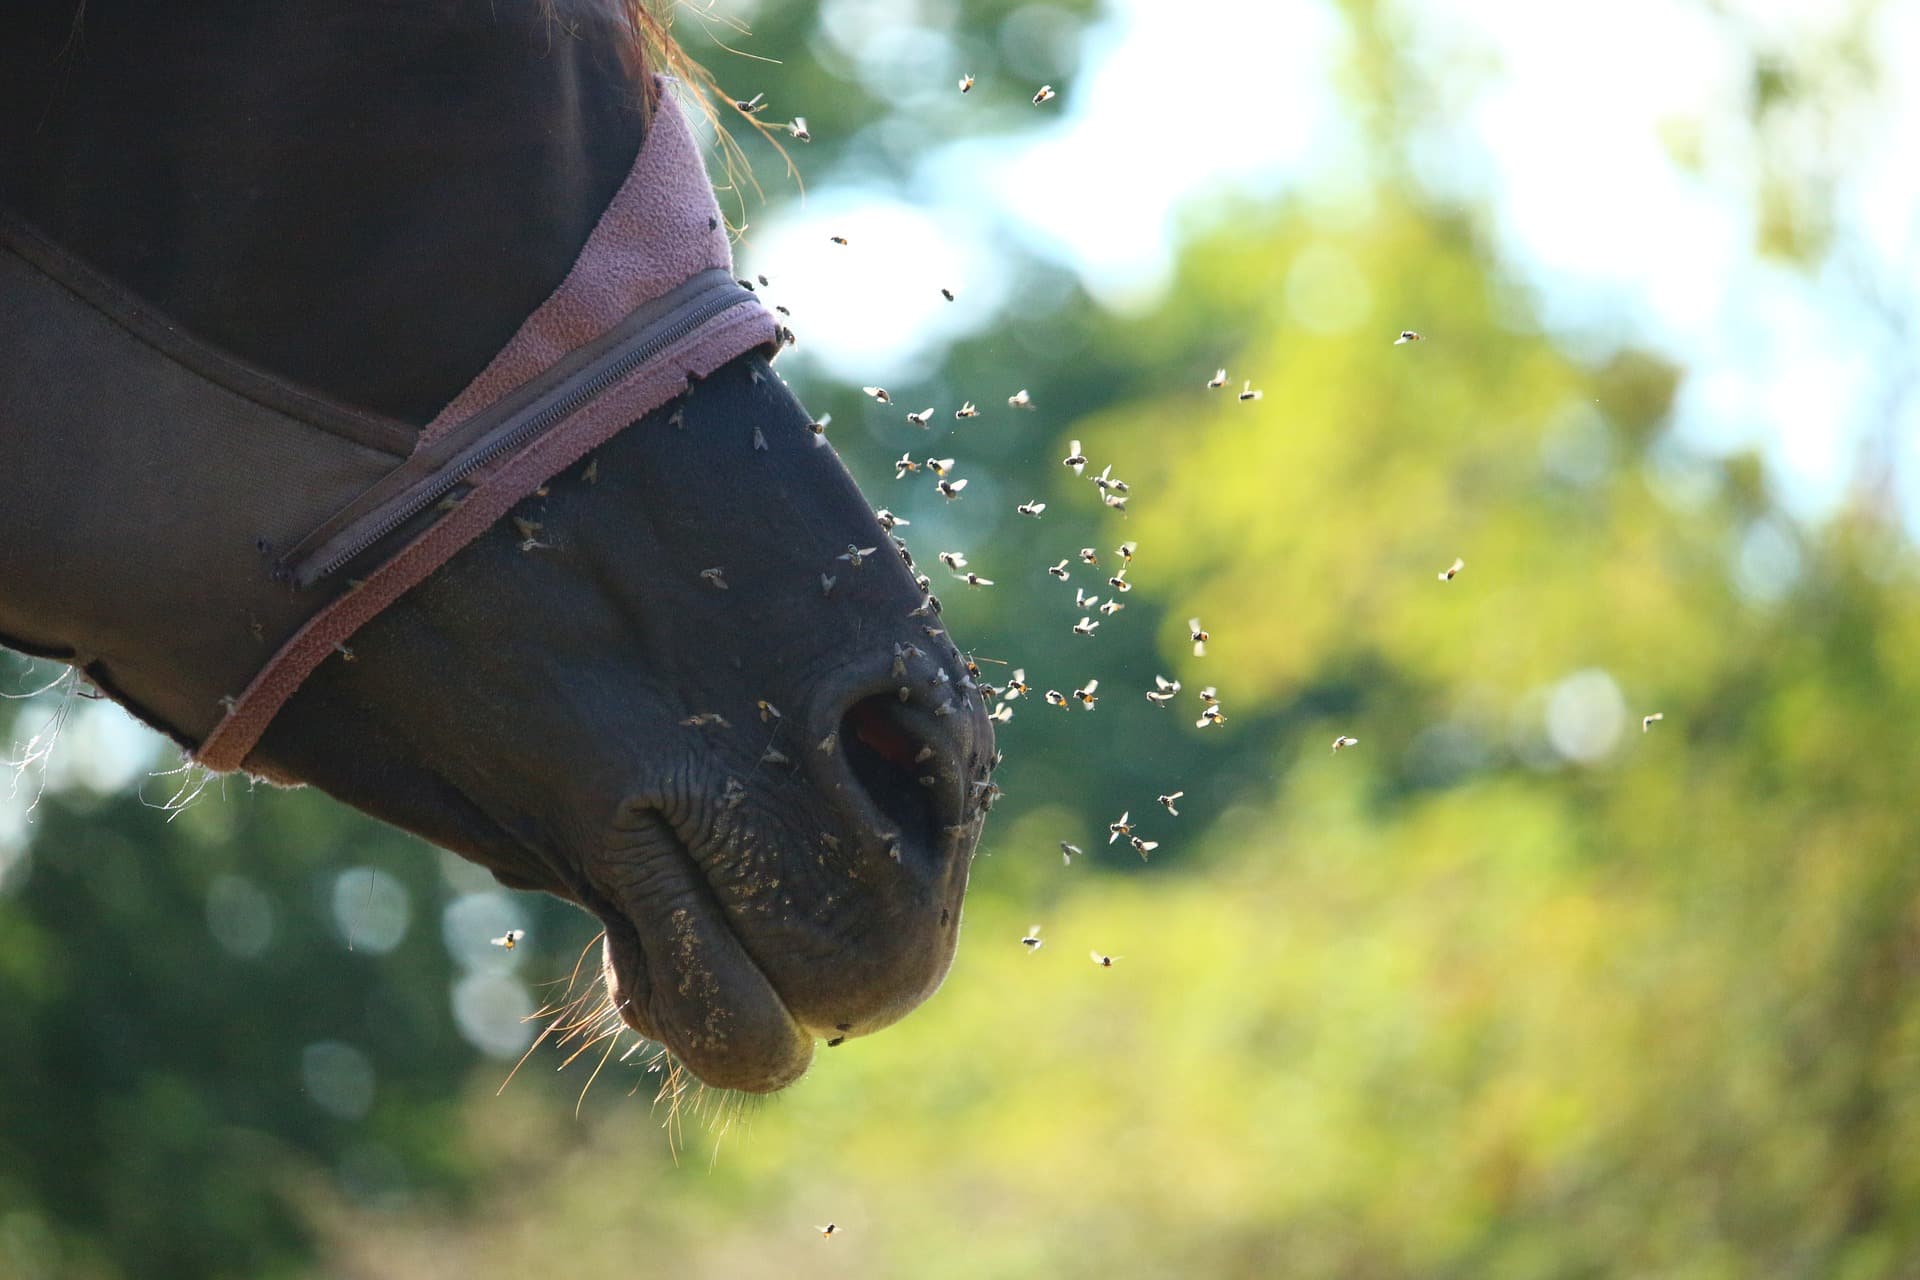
(649, 50)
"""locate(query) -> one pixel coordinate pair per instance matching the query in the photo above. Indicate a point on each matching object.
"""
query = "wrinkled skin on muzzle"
(789, 865)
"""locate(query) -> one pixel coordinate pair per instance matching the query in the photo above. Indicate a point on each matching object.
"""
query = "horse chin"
(678, 973)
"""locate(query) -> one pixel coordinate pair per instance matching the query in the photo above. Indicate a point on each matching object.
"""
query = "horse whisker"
(582, 1100)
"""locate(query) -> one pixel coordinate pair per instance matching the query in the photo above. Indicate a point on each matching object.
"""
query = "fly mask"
(179, 510)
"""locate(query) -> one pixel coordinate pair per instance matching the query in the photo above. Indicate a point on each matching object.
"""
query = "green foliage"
(154, 1092)
(1510, 989)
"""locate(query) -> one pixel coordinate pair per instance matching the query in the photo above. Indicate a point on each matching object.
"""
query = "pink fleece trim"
(662, 227)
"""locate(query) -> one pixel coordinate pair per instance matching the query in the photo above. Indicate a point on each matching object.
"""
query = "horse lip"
(641, 929)
(684, 977)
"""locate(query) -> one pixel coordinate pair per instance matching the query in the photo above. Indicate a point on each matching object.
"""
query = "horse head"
(667, 666)
(762, 780)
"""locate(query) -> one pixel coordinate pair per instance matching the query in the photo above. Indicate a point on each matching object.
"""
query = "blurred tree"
(1512, 988)
(184, 1023)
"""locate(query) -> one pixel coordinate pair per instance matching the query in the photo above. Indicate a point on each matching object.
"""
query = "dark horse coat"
(296, 302)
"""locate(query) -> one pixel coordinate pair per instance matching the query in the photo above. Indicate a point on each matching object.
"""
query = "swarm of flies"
(1112, 563)
(999, 699)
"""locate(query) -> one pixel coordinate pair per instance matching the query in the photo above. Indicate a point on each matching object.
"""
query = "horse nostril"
(874, 724)
(894, 766)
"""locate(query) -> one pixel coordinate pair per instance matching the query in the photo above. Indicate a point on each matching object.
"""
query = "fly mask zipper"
(523, 415)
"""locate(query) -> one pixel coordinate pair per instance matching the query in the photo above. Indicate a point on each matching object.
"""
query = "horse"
(275, 282)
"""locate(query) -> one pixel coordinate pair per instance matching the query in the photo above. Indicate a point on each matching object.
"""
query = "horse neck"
(363, 198)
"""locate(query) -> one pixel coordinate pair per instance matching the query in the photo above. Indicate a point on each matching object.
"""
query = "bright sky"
(1559, 120)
